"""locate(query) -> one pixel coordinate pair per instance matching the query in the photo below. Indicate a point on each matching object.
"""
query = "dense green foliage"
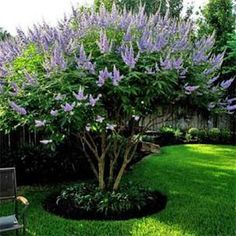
(168, 135)
(198, 180)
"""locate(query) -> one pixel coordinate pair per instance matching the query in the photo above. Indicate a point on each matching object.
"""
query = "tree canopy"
(98, 75)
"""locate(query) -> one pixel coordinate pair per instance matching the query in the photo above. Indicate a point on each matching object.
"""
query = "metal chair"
(16, 220)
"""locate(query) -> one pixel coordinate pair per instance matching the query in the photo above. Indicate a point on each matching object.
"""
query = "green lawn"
(199, 180)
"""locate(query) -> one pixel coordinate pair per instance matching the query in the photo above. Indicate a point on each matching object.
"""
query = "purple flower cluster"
(54, 112)
(20, 110)
(80, 95)
(104, 44)
(30, 79)
(128, 56)
(169, 64)
(93, 101)
(226, 83)
(68, 107)
(189, 89)
(116, 77)
(103, 76)
(84, 62)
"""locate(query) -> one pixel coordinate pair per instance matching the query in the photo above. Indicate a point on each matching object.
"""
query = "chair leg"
(17, 232)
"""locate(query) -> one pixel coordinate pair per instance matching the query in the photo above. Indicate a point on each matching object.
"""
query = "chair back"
(7, 183)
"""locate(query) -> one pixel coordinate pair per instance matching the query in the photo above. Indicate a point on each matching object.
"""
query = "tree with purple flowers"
(98, 75)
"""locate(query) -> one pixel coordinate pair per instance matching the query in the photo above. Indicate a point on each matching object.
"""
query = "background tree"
(3, 34)
(98, 76)
(219, 16)
(151, 6)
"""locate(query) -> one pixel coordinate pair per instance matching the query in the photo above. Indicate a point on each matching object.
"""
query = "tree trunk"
(101, 167)
(120, 174)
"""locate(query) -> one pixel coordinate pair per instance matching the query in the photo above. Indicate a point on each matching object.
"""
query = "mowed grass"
(199, 180)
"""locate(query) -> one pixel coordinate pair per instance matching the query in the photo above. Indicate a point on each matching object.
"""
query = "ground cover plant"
(201, 197)
(99, 74)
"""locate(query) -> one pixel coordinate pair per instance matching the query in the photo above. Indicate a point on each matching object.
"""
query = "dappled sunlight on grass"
(152, 227)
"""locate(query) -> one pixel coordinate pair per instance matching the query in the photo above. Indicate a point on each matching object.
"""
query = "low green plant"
(214, 135)
(225, 136)
(87, 198)
(167, 135)
(202, 136)
(193, 132)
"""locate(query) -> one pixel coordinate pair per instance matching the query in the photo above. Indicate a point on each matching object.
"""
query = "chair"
(16, 220)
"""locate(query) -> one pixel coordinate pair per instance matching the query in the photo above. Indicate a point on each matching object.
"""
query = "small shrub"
(167, 135)
(214, 135)
(178, 136)
(202, 136)
(192, 135)
(225, 136)
(193, 132)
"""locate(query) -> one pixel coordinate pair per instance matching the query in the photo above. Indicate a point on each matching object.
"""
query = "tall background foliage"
(151, 6)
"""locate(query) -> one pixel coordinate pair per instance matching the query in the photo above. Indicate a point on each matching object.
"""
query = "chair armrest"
(23, 200)
(22, 214)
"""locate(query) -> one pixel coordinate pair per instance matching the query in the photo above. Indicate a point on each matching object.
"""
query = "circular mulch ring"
(153, 204)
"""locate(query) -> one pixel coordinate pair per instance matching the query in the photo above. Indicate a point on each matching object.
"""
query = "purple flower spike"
(68, 107)
(99, 119)
(166, 64)
(80, 95)
(231, 108)
(3, 72)
(128, 56)
(82, 55)
(116, 78)
(40, 123)
(20, 110)
(57, 59)
(54, 112)
(231, 100)
(189, 89)
(93, 101)
(29, 78)
(103, 76)
(128, 35)
(59, 97)
(211, 81)
(177, 64)
(104, 44)
(226, 83)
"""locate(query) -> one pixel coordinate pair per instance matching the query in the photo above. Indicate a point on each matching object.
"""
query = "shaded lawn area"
(199, 180)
